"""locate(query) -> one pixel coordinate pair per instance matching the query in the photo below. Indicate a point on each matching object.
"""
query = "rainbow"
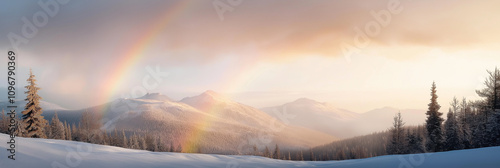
(136, 51)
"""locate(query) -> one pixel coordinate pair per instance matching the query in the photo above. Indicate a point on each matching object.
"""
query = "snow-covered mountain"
(215, 104)
(382, 118)
(339, 122)
(47, 153)
(209, 122)
(155, 96)
(316, 115)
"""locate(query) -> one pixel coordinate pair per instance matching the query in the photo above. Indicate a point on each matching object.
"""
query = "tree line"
(468, 125)
(32, 124)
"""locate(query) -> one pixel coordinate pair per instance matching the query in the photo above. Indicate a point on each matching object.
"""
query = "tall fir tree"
(491, 108)
(68, 131)
(433, 123)
(255, 150)
(32, 114)
(172, 148)
(397, 143)
(179, 148)
(491, 93)
(277, 154)
(301, 156)
(452, 138)
(267, 153)
(464, 120)
(312, 158)
(124, 140)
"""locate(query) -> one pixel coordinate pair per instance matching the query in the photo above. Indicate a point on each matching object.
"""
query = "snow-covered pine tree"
(32, 114)
(152, 145)
(433, 124)
(493, 128)
(255, 150)
(125, 141)
(277, 154)
(464, 120)
(267, 153)
(312, 158)
(142, 143)
(134, 142)
(491, 103)
(172, 148)
(68, 131)
(415, 142)
(491, 93)
(452, 139)
(179, 148)
(301, 156)
(397, 143)
(56, 128)
(161, 145)
(20, 125)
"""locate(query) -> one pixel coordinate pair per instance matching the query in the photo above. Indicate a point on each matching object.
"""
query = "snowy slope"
(44, 153)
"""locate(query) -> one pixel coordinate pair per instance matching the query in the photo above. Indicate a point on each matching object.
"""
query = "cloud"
(87, 38)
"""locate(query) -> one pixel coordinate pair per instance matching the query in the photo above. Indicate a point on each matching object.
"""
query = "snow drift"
(46, 153)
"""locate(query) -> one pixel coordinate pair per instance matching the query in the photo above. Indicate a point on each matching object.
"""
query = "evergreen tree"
(491, 108)
(56, 128)
(151, 142)
(415, 142)
(491, 93)
(32, 114)
(301, 156)
(267, 153)
(255, 150)
(312, 155)
(67, 130)
(179, 148)
(161, 145)
(172, 148)
(19, 125)
(134, 142)
(433, 124)
(397, 142)
(124, 140)
(464, 118)
(142, 143)
(341, 155)
(74, 131)
(277, 154)
(452, 141)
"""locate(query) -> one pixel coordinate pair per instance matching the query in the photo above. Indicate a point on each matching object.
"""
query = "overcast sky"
(263, 52)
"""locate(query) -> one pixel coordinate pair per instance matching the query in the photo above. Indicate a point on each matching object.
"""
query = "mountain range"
(214, 123)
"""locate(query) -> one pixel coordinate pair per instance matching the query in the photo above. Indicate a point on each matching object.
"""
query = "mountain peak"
(211, 93)
(206, 97)
(155, 96)
(305, 101)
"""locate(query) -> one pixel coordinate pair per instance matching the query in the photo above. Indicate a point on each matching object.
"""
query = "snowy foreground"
(44, 153)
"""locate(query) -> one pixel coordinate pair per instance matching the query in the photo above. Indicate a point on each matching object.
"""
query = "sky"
(357, 55)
